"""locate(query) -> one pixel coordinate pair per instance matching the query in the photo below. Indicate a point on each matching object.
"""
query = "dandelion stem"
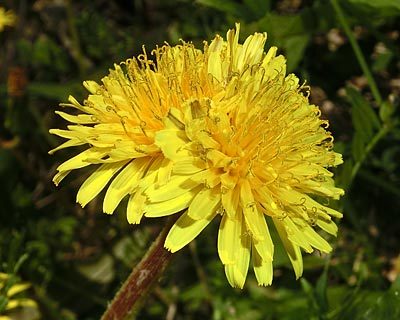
(75, 41)
(200, 272)
(357, 51)
(370, 146)
(129, 298)
(380, 182)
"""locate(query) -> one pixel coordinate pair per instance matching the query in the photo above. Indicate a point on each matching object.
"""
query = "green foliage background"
(76, 259)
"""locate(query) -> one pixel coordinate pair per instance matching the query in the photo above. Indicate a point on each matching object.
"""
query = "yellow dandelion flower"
(223, 131)
(11, 297)
(246, 145)
(7, 18)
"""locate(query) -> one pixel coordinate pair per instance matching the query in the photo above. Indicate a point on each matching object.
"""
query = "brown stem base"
(144, 275)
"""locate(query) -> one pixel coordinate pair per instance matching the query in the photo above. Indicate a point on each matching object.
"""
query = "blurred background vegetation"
(71, 261)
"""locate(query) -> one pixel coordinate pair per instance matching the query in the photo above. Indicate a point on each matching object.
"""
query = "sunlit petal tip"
(235, 278)
(171, 248)
(92, 86)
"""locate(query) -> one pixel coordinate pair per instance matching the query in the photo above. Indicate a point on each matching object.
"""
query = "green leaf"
(365, 122)
(382, 61)
(288, 33)
(358, 102)
(258, 7)
(58, 92)
(295, 47)
(357, 146)
(230, 7)
(320, 291)
(386, 111)
(344, 174)
(101, 271)
(371, 305)
(3, 302)
(384, 7)
(309, 291)
(387, 306)
(292, 33)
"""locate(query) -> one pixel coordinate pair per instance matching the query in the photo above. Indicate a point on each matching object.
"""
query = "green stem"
(129, 298)
(359, 55)
(200, 272)
(370, 146)
(76, 45)
(380, 182)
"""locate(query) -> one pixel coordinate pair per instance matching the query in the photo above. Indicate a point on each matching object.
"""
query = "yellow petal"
(4, 276)
(75, 104)
(188, 165)
(209, 143)
(322, 188)
(204, 204)
(311, 203)
(125, 149)
(92, 86)
(67, 144)
(338, 159)
(315, 239)
(177, 186)
(67, 134)
(292, 250)
(174, 119)
(215, 65)
(267, 201)
(59, 176)
(252, 51)
(124, 183)
(296, 198)
(151, 172)
(164, 172)
(135, 208)
(276, 67)
(234, 249)
(327, 225)
(22, 302)
(230, 201)
(97, 181)
(164, 208)
(171, 142)
(184, 231)
(80, 118)
(269, 56)
(229, 180)
(309, 170)
(295, 235)
(81, 160)
(17, 288)
(262, 268)
(265, 247)
(254, 219)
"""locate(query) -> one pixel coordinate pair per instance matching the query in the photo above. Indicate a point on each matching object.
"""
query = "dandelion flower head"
(219, 132)
(7, 18)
